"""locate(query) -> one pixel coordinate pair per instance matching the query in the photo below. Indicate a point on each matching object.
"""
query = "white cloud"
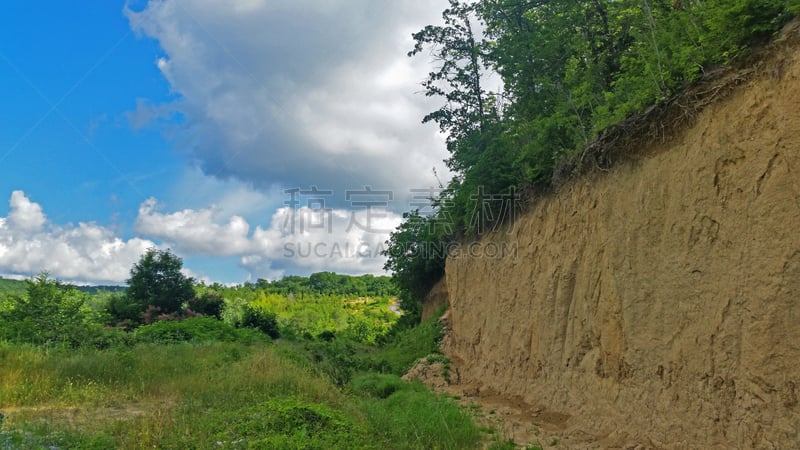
(298, 93)
(87, 252)
(194, 232)
(25, 215)
(270, 95)
(306, 240)
(195, 190)
(298, 241)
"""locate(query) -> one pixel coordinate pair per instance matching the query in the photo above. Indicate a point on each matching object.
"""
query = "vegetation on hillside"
(217, 394)
(159, 295)
(315, 362)
(569, 70)
(303, 362)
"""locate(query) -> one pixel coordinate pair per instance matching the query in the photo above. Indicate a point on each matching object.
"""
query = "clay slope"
(657, 304)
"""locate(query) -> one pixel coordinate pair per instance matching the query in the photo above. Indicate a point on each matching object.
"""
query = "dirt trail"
(510, 417)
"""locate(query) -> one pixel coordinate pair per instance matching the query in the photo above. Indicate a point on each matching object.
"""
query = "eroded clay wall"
(658, 303)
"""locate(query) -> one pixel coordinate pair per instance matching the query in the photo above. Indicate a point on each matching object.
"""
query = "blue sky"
(67, 79)
(180, 124)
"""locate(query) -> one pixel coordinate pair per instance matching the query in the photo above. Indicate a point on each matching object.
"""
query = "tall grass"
(208, 395)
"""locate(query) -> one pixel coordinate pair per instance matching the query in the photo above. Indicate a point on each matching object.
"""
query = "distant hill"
(8, 286)
(11, 286)
(96, 289)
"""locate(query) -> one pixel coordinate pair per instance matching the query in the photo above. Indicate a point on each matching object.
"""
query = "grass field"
(213, 395)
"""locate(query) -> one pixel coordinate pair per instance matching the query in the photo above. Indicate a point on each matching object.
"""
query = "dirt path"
(527, 425)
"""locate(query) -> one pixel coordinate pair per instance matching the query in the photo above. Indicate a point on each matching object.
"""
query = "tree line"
(159, 297)
(568, 69)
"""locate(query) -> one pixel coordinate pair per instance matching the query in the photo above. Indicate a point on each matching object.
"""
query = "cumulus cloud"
(307, 240)
(25, 216)
(29, 244)
(193, 232)
(297, 240)
(297, 93)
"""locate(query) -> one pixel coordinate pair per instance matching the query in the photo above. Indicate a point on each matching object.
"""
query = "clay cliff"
(657, 302)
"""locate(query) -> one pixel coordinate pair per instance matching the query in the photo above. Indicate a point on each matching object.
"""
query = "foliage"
(376, 385)
(416, 253)
(210, 395)
(340, 359)
(291, 423)
(406, 346)
(208, 304)
(156, 280)
(49, 312)
(460, 54)
(261, 320)
(310, 314)
(11, 287)
(194, 329)
(122, 312)
(569, 70)
(328, 283)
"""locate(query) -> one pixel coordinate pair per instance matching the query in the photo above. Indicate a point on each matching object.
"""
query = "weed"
(213, 395)
(503, 445)
(376, 385)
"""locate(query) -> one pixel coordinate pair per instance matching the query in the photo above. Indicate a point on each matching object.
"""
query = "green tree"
(570, 69)
(416, 255)
(156, 280)
(460, 54)
(50, 311)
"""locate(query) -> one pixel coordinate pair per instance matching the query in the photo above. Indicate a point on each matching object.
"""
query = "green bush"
(208, 304)
(264, 321)
(106, 338)
(49, 313)
(196, 329)
(376, 385)
(286, 423)
(338, 359)
(405, 347)
(122, 312)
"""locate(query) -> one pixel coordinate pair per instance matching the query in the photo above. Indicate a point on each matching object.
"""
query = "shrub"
(406, 346)
(208, 304)
(291, 423)
(376, 385)
(157, 280)
(122, 312)
(50, 312)
(264, 321)
(197, 329)
(337, 359)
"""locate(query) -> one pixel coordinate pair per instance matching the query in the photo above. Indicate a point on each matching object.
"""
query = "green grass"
(413, 418)
(407, 346)
(212, 395)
